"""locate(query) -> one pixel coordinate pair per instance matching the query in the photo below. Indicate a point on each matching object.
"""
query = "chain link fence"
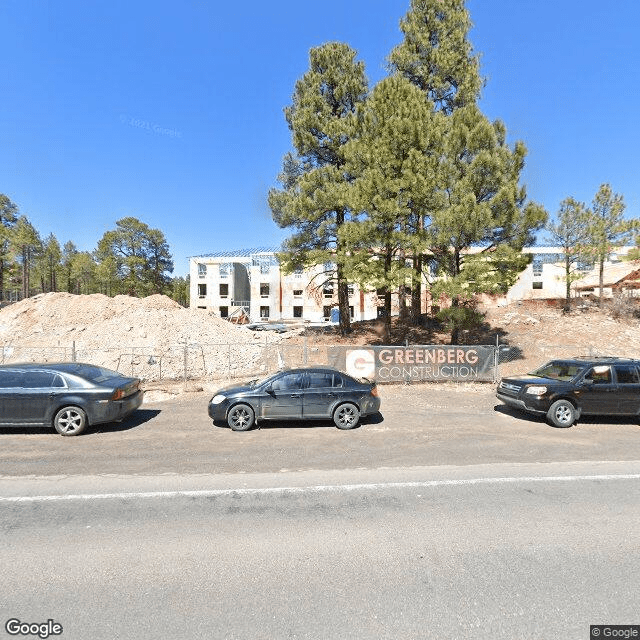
(229, 361)
(513, 359)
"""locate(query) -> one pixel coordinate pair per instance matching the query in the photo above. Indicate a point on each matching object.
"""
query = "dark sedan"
(563, 390)
(68, 396)
(297, 394)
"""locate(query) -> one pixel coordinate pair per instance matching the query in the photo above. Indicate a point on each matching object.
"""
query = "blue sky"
(172, 112)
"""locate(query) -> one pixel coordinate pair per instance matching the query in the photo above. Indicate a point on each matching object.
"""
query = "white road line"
(318, 488)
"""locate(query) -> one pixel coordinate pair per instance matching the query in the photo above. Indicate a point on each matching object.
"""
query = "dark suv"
(563, 390)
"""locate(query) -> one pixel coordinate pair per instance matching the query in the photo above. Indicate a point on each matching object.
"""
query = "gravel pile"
(147, 337)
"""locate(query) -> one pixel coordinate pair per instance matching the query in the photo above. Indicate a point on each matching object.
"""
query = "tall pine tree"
(482, 219)
(394, 157)
(312, 200)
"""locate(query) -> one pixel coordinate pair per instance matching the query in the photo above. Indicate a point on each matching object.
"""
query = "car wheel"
(70, 421)
(346, 416)
(562, 414)
(241, 417)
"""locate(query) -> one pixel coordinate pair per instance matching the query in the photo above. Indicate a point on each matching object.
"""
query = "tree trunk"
(387, 298)
(343, 290)
(567, 302)
(343, 303)
(416, 291)
(455, 329)
(601, 282)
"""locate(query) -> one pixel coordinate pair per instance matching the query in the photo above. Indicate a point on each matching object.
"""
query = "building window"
(264, 312)
(537, 267)
(297, 312)
(350, 289)
(225, 269)
(326, 312)
(537, 285)
(224, 290)
(327, 291)
(202, 270)
(298, 273)
(264, 290)
(329, 267)
(297, 293)
(224, 312)
(202, 307)
(202, 290)
(381, 312)
(381, 293)
(351, 312)
(583, 265)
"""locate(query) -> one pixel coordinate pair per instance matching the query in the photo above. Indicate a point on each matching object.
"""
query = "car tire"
(70, 421)
(346, 416)
(562, 414)
(241, 417)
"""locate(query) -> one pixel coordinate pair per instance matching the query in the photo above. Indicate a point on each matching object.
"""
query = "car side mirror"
(269, 390)
(587, 381)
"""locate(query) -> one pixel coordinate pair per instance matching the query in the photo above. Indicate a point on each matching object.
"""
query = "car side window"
(627, 374)
(337, 380)
(319, 379)
(10, 379)
(58, 382)
(288, 382)
(600, 374)
(37, 380)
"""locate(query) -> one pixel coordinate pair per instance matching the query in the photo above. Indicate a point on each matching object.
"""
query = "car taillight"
(117, 394)
(374, 391)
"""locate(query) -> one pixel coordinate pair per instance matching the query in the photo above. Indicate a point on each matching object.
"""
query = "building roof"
(238, 253)
(614, 275)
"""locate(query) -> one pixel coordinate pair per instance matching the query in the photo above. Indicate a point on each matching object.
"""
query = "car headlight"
(536, 390)
(217, 399)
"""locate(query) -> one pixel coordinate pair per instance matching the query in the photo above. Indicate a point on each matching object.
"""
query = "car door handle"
(331, 395)
(295, 395)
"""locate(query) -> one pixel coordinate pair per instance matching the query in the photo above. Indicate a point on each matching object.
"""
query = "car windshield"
(559, 370)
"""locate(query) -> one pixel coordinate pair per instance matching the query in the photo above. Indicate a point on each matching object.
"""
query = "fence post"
(185, 363)
(73, 351)
(496, 360)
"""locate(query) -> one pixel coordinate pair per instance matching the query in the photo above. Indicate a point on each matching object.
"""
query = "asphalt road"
(420, 425)
(531, 552)
(449, 516)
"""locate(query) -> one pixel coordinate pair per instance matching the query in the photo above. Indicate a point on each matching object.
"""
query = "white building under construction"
(248, 283)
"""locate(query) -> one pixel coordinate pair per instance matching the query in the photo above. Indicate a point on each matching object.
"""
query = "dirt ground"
(534, 331)
(103, 330)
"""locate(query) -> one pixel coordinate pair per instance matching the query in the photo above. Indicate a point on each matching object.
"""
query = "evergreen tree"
(26, 245)
(485, 221)
(436, 54)
(69, 251)
(83, 273)
(481, 218)
(139, 254)
(8, 219)
(49, 265)
(394, 157)
(312, 201)
(570, 233)
(606, 228)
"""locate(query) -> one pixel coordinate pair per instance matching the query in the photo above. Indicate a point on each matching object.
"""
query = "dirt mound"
(121, 332)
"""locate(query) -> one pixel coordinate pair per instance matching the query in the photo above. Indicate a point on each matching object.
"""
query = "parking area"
(420, 425)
